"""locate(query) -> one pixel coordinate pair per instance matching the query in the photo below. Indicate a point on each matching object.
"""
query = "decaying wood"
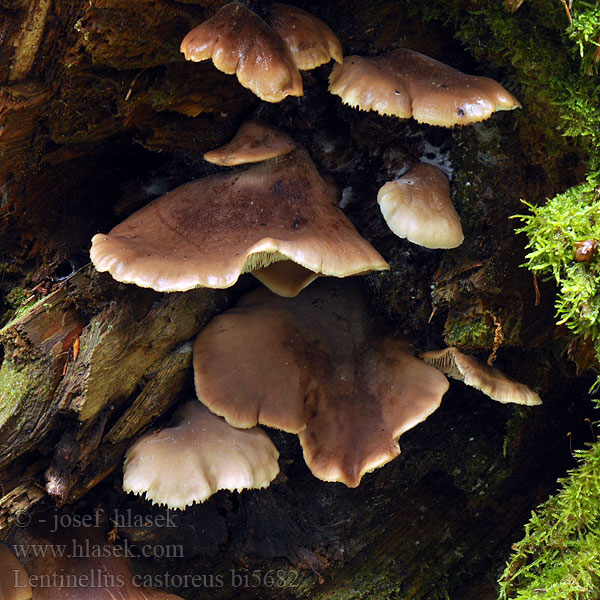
(133, 350)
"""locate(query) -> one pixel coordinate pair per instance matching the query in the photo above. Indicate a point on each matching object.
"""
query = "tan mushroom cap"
(254, 142)
(240, 42)
(490, 381)
(309, 40)
(90, 569)
(405, 83)
(316, 365)
(198, 456)
(208, 232)
(417, 206)
(14, 581)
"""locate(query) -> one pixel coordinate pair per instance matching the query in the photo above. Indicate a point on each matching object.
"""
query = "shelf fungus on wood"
(197, 456)
(417, 206)
(317, 366)
(265, 57)
(275, 220)
(254, 142)
(239, 41)
(405, 83)
(489, 380)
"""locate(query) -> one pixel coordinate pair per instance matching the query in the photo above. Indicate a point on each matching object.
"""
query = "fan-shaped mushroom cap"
(240, 42)
(207, 232)
(417, 207)
(254, 142)
(405, 83)
(316, 365)
(198, 456)
(89, 569)
(14, 582)
(310, 41)
(490, 381)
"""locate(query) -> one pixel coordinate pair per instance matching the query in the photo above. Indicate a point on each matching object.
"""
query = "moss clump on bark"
(553, 231)
(560, 553)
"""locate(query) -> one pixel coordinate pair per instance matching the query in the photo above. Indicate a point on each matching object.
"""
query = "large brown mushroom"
(489, 380)
(417, 206)
(405, 83)
(316, 365)
(239, 41)
(276, 219)
(201, 454)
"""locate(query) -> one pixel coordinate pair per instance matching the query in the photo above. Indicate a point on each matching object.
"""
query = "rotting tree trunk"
(97, 111)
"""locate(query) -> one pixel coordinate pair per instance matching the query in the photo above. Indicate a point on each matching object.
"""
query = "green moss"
(472, 332)
(559, 557)
(553, 230)
(17, 387)
(22, 310)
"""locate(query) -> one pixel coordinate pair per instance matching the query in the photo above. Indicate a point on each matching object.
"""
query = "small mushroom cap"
(417, 206)
(490, 381)
(240, 42)
(208, 232)
(200, 455)
(254, 142)
(405, 83)
(90, 569)
(14, 580)
(310, 41)
(316, 365)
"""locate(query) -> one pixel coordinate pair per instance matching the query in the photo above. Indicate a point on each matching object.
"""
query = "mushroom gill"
(489, 380)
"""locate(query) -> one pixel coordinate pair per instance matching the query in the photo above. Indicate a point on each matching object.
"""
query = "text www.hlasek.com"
(87, 549)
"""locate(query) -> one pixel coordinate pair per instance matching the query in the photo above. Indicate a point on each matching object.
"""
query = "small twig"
(130, 90)
(591, 428)
(536, 287)
(568, 9)
(498, 339)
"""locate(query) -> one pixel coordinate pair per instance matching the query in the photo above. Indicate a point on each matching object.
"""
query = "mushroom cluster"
(265, 56)
(334, 377)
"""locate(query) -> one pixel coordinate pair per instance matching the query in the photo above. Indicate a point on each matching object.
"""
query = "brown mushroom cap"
(198, 456)
(417, 206)
(310, 41)
(89, 569)
(490, 381)
(405, 83)
(240, 42)
(208, 232)
(14, 582)
(316, 365)
(254, 142)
